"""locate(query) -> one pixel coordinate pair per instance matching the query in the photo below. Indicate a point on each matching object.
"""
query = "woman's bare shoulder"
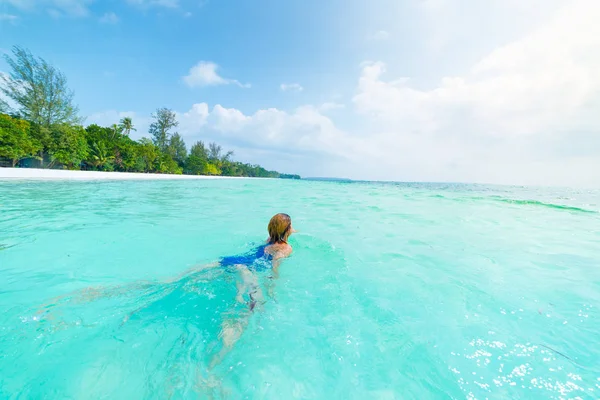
(287, 249)
(279, 250)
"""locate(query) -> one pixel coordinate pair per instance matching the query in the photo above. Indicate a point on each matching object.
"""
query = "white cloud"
(291, 87)
(8, 17)
(380, 35)
(190, 122)
(272, 130)
(205, 74)
(305, 130)
(228, 120)
(331, 106)
(446, 25)
(109, 18)
(508, 119)
(523, 87)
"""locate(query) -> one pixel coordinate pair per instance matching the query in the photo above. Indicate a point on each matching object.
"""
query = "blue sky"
(435, 90)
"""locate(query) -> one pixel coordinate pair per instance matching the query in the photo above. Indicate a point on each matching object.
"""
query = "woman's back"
(278, 250)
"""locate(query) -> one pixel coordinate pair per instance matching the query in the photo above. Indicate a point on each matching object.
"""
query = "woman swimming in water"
(247, 267)
(266, 256)
(279, 228)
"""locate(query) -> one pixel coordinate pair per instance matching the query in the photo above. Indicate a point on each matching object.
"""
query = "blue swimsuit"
(256, 259)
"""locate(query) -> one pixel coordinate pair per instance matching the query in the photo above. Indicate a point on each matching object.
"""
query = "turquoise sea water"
(394, 291)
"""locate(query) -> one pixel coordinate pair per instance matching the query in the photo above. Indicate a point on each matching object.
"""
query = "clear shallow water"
(393, 291)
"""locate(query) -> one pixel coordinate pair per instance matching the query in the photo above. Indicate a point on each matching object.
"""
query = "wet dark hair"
(280, 228)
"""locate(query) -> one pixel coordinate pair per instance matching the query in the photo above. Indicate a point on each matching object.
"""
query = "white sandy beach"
(55, 174)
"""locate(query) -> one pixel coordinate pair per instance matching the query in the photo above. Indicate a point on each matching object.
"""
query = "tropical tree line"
(42, 128)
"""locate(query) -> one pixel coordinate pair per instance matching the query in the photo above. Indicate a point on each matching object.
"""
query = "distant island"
(43, 130)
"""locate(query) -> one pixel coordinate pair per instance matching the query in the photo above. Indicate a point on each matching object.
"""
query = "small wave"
(537, 203)
(543, 204)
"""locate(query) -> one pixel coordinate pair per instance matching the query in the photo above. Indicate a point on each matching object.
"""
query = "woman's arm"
(276, 263)
(278, 256)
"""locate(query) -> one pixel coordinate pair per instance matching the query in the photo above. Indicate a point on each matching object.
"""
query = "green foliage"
(101, 145)
(126, 125)
(198, 150)
(111, 149)
(16, 141)
(231, 169)
(164, 164)
(160, 130)
(255, 171)
(96, 133)
(216, 155)
(126, 155)
(195, 165)
(42, 134)
(212, 169)
(177, 149)
(100, 156)
(214, 152)
(197, 162)
(289, 176)
(147, 155)
(38, 89)
(68, 145)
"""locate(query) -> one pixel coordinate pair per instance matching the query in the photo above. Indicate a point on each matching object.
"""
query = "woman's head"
(280, 228)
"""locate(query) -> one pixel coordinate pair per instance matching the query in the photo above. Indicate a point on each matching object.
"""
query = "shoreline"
(61, 174)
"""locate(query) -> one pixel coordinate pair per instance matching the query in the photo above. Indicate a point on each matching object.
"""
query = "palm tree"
(99, 155)
(116, 130)
(127, 125)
